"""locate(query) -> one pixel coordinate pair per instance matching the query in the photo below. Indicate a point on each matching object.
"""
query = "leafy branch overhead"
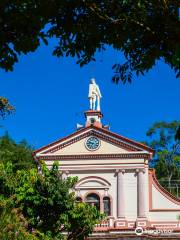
(5, 107)
(145, 31)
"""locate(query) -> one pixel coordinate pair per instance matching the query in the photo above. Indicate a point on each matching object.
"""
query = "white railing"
(105, 223)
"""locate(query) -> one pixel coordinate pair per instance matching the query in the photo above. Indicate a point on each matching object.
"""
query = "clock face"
(92, 143)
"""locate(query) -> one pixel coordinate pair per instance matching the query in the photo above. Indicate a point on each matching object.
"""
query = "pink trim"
(97, 167)
(111, 204)
(171, 222)
(92, 113)
(99, 195)
(153, 181)
(100, 130)
(121, 224)
(58, 141)
(92, 178)
(164, 210)
(128, 140)
(94, 156)
(87, 164)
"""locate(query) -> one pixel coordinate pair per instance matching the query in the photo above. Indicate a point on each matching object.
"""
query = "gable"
(74, 144)
(79, 147)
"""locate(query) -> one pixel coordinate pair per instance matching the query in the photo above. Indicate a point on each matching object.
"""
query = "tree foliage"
(50, 207)
(13, 224)
(167, 148)
(145, 31)
(20, 154)
(42, 206)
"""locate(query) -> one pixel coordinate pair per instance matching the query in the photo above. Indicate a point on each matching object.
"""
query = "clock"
(92, 143)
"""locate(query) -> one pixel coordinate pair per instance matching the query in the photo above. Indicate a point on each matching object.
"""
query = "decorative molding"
(138, 170)
(95, 134)
(124, 142)
(99, 195)
(94, 156)
(92, 178)
(111, 203)
(121, 170)
(58, 141)
(154, 182)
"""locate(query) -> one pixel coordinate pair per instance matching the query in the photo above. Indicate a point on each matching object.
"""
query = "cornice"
(97, 134)
(107, 135)
(94, 156)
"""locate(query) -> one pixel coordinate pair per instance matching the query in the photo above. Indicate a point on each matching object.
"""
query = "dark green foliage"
(177, 136)
(13, 226)
(8, 181)
(20, 154)
(145, 31)
(49, 205)
(167, 148)
(41, 206)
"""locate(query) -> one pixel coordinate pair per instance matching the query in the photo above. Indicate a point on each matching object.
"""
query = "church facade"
(114, 176)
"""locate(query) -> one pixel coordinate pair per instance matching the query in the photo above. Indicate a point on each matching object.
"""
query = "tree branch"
(105, 17)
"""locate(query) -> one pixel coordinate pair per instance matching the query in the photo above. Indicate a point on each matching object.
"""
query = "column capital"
(120, 171)
(138, 170)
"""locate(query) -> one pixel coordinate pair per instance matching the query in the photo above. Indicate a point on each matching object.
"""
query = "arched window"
(107, 206)
(78, 199)
(94, 200)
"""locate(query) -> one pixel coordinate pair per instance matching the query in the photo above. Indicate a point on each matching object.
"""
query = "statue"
(94, 95)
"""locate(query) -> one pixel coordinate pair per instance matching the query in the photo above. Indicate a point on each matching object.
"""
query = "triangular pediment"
(75, 144)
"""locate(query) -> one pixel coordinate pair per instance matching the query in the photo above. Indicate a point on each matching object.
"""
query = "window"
(107, 208)
(94, 200)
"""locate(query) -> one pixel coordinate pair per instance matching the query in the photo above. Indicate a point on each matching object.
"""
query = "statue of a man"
(94, 95)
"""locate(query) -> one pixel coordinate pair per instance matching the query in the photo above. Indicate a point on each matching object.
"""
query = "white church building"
(114, 176)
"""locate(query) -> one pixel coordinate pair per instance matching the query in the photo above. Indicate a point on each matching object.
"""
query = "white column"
(120, 194)
(140, 193)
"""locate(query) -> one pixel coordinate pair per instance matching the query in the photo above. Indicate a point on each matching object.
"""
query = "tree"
(20, 154)
(13, 225)
(42, 206)
(145, 31)
(167, 149)
(5, 107)
(49, 205)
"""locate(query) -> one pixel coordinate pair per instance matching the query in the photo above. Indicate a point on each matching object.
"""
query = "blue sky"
(50, 96)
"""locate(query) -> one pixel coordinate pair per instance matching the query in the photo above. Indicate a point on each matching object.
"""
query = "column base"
(111, 221)
(141, 222)
(121, 223)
